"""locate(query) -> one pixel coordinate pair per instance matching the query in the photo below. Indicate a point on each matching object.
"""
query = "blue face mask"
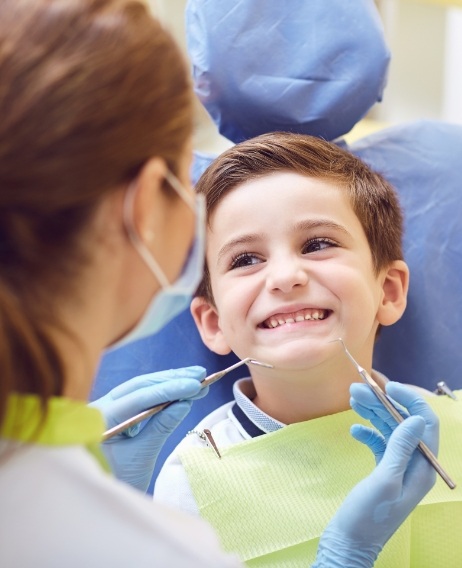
(172, 298)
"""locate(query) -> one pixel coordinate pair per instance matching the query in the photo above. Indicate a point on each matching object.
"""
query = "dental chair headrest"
(309, 67)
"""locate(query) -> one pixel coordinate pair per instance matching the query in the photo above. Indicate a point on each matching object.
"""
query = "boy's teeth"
(278, 320)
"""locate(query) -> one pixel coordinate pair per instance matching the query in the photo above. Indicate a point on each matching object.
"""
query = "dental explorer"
(155, 409)
(388, 404)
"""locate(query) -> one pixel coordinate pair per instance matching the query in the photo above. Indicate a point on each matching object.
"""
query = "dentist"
(101, 243)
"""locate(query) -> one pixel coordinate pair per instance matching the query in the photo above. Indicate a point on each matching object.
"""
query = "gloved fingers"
(134, 430)
(417, 406)
(175, 411)
(195, 372)
(361, 408)
(116, 411)
(202, 392)
(364, 396)
(371, 438)
(401, 446)
(379, 503)
(162, 424)
(369, 414)
(133, 459)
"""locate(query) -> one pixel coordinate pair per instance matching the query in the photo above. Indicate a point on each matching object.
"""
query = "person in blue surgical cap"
(101, 243)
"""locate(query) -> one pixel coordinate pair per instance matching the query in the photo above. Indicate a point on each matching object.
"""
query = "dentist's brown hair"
(89, 91)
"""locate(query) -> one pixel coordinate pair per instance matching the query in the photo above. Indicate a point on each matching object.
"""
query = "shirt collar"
(254, 421)
(244, 392)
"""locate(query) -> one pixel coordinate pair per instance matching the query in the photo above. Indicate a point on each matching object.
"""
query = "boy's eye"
(244, 259)
(317, 244)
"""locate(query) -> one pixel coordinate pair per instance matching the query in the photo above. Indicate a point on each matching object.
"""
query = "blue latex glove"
(132, 454)
(378, 505)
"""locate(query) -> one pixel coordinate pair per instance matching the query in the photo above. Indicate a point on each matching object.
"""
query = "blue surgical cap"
(313, 67)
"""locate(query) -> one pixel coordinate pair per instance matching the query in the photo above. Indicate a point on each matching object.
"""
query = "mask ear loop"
(179, 188)
(137, 242)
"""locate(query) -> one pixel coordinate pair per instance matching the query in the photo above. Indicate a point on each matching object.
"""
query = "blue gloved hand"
(378, 505)
(132, 454)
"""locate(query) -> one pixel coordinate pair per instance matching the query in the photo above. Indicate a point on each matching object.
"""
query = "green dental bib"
(271, 497)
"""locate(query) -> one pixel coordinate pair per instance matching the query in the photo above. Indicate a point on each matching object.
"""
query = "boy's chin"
(300, 358)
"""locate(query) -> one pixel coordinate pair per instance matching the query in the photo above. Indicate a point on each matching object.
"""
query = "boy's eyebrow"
(306, 225)
(242, 240)
(311, 224)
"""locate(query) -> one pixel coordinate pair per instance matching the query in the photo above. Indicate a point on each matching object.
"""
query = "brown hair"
(89, 90)
(373, 199)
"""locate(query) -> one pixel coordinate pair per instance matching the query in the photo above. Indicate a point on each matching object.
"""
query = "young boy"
(304, 247)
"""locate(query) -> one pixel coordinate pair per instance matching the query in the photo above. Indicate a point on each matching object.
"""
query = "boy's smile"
(297, 316)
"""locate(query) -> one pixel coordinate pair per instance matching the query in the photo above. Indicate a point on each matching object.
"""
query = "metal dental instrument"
(388, 404)
(211, 441)
(155, 409)
(442, 388)
(206, 436)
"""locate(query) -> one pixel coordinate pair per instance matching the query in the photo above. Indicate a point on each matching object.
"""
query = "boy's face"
(291, 270)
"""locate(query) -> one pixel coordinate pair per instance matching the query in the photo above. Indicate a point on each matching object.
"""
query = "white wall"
(452, 92)
(206, 138)
(425, 72)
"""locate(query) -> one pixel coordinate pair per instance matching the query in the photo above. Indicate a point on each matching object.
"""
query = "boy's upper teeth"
(298, 316)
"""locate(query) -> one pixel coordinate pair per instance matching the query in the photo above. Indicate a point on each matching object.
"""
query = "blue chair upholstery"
(423, 161)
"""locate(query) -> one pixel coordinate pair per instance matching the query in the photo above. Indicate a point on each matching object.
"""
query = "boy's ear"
(207, 322)
(395, 286)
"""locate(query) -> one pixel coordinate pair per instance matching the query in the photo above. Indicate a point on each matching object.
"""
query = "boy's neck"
(292, 400)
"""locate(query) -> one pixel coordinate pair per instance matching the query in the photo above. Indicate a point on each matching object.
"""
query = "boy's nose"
(286, 275)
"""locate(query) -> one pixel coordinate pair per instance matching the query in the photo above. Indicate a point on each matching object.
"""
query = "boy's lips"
(306, 314)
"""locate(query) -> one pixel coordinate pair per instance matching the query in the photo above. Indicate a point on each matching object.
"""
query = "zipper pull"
(207, 437)
(211, 441)
(442, 388)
